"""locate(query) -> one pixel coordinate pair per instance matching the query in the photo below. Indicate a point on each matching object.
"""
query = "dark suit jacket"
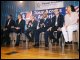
(21, 25)
(11, 23)
(34, 25)
(47, 23)
(60, 21)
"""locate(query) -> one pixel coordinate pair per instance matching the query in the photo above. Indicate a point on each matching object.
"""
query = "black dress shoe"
(7, 45)
(46, 45)
(36, 46)
(66, 42)
(70, 42)
(54, 41)
(78, 49)
(46, 48)
(66, 45)
(17, 45)
(57, 44)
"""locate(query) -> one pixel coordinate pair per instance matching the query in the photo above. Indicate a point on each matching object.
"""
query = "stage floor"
(38, 53)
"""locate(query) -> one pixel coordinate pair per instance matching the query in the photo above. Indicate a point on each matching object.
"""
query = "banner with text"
(39, 5)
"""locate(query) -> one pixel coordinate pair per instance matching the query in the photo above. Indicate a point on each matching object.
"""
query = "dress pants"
(37, 33)
(31, 38)
(51, 36)
(18, 40)
(68, 32)
(7, 38)
(18, 37)
(27, 34)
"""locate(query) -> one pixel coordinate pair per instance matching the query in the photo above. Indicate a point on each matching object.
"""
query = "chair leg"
(78, 39)
(59, 43)
(50, 45)
(73, 45)
(10, 43)
(13, 43)
(22, 44)
(62, 44)
(63, 47)
(26, 44)
(55, 45)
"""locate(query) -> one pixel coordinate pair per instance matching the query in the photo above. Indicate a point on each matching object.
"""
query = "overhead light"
(21, 1)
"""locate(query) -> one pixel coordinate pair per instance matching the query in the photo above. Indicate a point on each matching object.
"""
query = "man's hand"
(17, 28)
(30, 24)
(66, 26)
(12, 26)
(4, 29)
(49, 29)
(42, 25)
(59, 29)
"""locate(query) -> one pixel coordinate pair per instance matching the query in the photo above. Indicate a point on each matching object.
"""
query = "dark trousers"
(52, 36)
(18, 40)
(31, 38)
(37, 33)
(18, 36)
(27, 34)
(6, 37)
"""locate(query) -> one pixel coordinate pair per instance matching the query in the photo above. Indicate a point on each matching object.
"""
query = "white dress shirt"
(8, 22)
(71, 19)
(56, 20)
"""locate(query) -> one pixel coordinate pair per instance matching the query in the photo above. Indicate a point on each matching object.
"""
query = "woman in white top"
(70, 24)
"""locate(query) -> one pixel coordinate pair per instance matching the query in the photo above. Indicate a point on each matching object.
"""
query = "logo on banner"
(38, 13)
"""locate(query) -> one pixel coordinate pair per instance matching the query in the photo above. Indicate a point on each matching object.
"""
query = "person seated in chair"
(57, 23)
(8, 28)
(44, 24)
(32, 25)
(71, 24)
(20, 27)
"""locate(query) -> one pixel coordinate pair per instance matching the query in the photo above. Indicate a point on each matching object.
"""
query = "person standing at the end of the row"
(70, 24)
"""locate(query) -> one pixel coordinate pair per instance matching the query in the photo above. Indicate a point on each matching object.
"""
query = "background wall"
(15, 7)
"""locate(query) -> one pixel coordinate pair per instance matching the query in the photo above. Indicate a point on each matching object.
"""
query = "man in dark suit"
(57, 23)
(10, 23)
(20, 27)
(32, 25)
(44, 25)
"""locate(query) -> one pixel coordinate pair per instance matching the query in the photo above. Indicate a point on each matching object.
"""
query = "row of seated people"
(12, 26)
(58, 23)
(19, 27)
